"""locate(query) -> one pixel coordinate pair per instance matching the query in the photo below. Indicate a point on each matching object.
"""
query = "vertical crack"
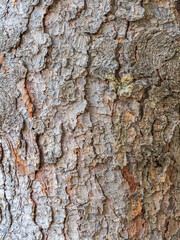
(41, 154)
(34, 208)
(127, 29)
(144, 97)
(27, 98)
(66, 213)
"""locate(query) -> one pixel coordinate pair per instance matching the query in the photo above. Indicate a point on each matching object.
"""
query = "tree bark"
(89, 120)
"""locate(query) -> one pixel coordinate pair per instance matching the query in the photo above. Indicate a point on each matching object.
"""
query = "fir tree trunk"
(89, 120)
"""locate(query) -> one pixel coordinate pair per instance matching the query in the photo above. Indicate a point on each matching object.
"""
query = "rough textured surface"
(89, 120)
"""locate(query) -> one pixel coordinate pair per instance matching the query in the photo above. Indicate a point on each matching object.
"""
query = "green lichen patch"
(126, 85)
(126, 79)
(114, 83)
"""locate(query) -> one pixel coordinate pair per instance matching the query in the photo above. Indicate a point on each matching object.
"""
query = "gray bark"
(89, 120)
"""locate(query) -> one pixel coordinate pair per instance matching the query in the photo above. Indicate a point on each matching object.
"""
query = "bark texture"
(89, 120)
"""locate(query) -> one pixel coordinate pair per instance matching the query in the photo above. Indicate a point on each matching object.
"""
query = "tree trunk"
(89, 120)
